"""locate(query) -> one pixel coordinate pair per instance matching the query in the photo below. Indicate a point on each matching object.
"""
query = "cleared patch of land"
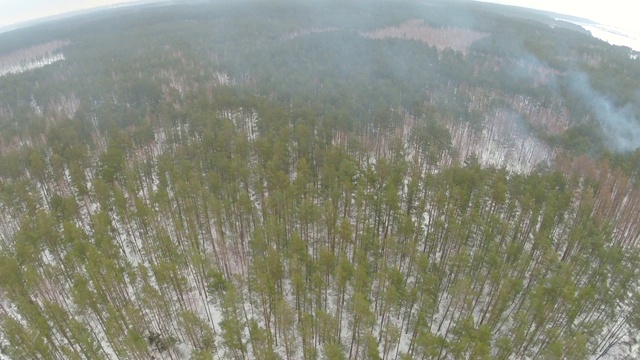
(457, 39)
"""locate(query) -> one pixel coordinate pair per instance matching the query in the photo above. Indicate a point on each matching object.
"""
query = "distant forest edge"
(337, 180)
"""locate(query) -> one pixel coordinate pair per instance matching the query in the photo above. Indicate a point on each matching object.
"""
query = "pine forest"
(325, 180)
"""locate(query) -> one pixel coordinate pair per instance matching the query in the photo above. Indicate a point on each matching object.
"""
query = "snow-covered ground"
(503, 142)
(611, 34)
(615, 36)
(32, 64)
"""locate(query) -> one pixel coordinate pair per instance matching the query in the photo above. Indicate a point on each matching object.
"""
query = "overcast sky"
(17, 11)
(619, 13)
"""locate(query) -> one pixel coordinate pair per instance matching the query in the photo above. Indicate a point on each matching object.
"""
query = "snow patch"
(502, 142)
(31, 64)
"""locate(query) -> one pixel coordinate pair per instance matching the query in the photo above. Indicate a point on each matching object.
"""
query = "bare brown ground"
(457, 39)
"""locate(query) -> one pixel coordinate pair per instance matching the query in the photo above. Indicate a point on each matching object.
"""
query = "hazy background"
(619, 15)
(610, 12)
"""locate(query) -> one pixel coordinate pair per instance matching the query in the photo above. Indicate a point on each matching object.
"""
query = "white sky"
(619, 13)
(17, 11)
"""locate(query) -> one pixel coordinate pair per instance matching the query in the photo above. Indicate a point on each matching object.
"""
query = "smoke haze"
(620, 125)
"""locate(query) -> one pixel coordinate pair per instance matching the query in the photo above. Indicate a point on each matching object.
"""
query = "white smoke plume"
(620, 125)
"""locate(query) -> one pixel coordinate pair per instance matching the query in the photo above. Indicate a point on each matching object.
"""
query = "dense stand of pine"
(187, 203)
